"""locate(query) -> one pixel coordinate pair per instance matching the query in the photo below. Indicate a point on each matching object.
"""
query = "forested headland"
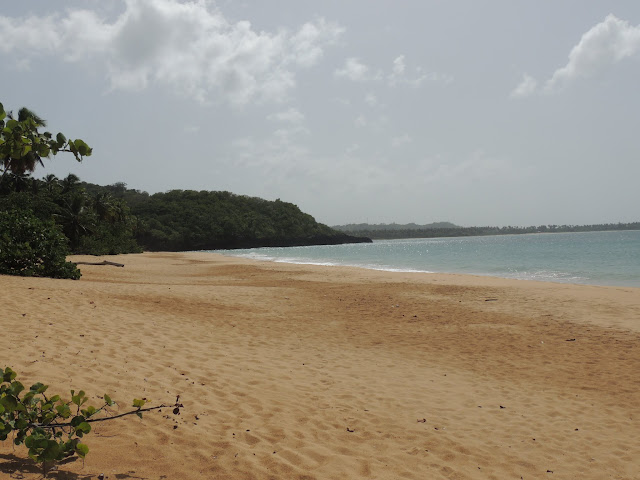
(180, 220)
(446, 229)
(113, 219)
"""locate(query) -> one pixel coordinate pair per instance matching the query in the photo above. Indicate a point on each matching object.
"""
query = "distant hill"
(364, 227)
(180, 220)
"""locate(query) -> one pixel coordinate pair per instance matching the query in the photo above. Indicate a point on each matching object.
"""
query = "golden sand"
(308, 372)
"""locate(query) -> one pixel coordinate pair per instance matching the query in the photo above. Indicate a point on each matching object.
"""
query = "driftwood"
(104, 262)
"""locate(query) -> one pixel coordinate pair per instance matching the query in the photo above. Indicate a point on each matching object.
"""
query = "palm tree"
(103, 204)
(51, 183)
(70, 183)
(76, 219)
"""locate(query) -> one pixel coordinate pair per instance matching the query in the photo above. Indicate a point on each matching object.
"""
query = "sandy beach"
(309, 372)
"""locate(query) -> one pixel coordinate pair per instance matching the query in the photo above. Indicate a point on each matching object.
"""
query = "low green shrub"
(32, 247)
(52, 428)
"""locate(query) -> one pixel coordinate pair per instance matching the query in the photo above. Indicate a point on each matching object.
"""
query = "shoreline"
(401, 270)
(314, 372)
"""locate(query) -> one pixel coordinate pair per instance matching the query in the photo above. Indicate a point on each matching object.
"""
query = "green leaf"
(52, 451)
(90, 410)
(8, 375)
(16, 387)
(82, 450)
(9, 402)
(78, 399)
(77, 420)
(138, 403)
(39, 388)
(107, 400)
(63, 410)
(139, 414)
(84, 427)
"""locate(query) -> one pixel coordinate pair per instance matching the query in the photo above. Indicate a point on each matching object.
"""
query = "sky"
(502, 112)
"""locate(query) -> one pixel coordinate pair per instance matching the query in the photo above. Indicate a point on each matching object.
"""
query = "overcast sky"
(480, 113)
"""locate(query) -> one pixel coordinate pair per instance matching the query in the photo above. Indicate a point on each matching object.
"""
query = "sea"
(609, 258)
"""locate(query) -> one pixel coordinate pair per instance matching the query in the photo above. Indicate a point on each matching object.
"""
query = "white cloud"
(371, 99)
(357, 71)
(354, 70)
(526, 87)
(190, 47)
(398, 66)
(401, 140)
(361, 121)
(605, 44)
(399, 75)
(291, 115)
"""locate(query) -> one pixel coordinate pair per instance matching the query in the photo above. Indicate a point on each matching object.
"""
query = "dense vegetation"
(31, 243)
(372, 231)
(32, 247)
(190, 220)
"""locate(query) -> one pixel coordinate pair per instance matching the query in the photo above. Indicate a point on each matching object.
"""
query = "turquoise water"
(597, 258)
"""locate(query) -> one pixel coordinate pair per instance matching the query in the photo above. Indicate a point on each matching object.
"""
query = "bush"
(31, 247)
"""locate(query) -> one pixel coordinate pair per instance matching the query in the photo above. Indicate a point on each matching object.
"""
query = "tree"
(22, 146)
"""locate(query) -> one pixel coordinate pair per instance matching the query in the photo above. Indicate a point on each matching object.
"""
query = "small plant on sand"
(52, 428)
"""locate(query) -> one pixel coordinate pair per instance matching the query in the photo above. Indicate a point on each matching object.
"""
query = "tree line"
(435, 232)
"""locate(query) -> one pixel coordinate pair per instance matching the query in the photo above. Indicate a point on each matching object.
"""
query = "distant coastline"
(446, 229)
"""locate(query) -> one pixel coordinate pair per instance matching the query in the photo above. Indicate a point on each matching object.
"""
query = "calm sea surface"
(598, 258)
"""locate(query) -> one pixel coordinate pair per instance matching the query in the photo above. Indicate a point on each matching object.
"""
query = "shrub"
(32, 247)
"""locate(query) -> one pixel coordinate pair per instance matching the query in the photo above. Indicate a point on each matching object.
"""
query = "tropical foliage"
(33, 247)
(191, 220)
(97, 224)
(51, 427)
(22, 146)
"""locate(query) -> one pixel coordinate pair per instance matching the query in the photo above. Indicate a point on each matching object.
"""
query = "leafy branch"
(50, 427)
(22, 146)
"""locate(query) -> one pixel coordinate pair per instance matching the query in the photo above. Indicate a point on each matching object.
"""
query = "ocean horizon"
(608, 258)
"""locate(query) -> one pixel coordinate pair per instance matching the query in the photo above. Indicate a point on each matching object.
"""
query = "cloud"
(354, 70)
(357, 71)
(401, 140)
(371, 99)
(291, 115)
(526, 87)
(189, 47)
(604, 45)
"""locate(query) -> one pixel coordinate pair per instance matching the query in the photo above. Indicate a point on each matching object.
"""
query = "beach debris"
(104, 262)
(422, 420)
(502, 406)
(570, 340)
(350, 430)
(490, 299)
